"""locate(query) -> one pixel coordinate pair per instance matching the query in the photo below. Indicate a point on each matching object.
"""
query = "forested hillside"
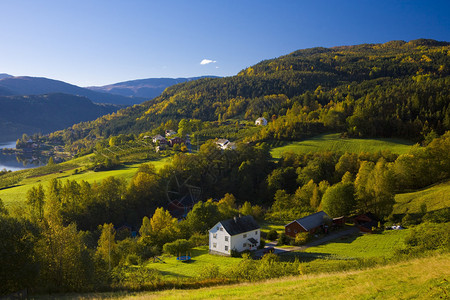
(45, 113)
(396, 89)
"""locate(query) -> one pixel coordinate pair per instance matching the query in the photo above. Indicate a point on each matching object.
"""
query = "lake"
(13, 162)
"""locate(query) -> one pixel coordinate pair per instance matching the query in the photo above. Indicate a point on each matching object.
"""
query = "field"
(172, 269)
(333, 142)
(435, 197)
(423, 278)
(362, 246)
(17, 194)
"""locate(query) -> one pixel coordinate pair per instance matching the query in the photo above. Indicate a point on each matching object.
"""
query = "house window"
(215, 245)
(215, 235)
(217, 228)
(245, 235)
(245, 245)
(295, 231)
(288, 229)
(226, 239)
(256, 232)
(221, 229)
(226, 248)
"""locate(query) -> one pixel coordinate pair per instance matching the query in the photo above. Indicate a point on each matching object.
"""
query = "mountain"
(38, 85)
(45, 113)
(4, 75)
(143, 88)
(395, 89)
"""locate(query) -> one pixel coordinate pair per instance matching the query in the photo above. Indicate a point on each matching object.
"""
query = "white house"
(261, 121)
(239, 233)
(170, 132)
(225, 144)
(158, 137)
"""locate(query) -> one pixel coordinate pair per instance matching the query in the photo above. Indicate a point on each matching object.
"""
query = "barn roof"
(239, 225)
(312, 221)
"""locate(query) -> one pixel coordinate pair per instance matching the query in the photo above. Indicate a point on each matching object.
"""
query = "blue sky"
(99, 42)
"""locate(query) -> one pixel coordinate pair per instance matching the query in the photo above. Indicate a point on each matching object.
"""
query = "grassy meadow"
(435, 198)
(362, 246)
(421, 278)
(333, 142)
(17, 194)
(170, 268)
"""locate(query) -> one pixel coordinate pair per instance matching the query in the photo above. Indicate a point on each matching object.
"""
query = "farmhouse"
(225, 144)
(157, 138)
(170, 132)
(261, 121)
(239, 234)
(175, 140)
(307, 224)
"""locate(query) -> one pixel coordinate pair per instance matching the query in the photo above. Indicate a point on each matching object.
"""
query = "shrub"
(272, 235)
(262, 244)
(178, 247)
(284, 239)
(210, 271)
(198, 239)
(302, 238)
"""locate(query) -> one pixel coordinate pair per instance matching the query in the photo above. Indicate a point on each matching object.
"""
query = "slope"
(145, 88)
(38, 85)
(45, 113)
(396, 89)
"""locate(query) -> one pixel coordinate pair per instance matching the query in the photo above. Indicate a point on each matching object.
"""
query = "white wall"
(238, 241)
(235, 242)
(219, 240)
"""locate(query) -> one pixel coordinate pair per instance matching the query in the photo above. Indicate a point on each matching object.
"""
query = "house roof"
(311, 221)
(239, 225)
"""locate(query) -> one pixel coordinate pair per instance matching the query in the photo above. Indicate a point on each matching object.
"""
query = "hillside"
(423, 278)
(37, 85)
(45, 113)
(396, 89)
(144, 88)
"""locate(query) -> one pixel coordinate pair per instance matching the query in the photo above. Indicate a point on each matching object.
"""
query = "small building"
(158, 138)
(170, 132)
(307, 224)
(225, 144)
(261, 121)
(238, 234)
(365, 222)
(175, 140)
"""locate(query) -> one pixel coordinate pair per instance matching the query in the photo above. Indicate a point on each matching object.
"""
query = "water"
(15, 162)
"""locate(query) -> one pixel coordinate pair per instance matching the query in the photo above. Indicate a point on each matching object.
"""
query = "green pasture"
(266, 227)
(17, 194)
(171, 268)
(422, 278)
(435, 198)
(333, 142)
(362, 246)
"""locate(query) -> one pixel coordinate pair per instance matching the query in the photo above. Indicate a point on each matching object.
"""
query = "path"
(325, 239)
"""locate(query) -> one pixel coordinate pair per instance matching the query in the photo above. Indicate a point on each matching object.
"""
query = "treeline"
(393, 89)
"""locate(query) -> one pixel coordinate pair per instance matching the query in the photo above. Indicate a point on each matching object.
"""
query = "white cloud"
(207, 61)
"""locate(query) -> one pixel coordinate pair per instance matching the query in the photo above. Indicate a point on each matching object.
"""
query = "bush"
(178, 247)
(284, 239)
(262, 244)
(302, 238)
(198, 239)
(210, 271)
(133, 259)
(272, 235)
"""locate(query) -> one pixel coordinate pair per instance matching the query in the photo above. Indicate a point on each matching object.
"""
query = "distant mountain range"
(25, 85)
(143, 88)
(45, 113)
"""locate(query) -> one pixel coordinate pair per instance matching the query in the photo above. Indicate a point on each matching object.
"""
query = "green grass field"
(17, 194)
(422, 278)
(333, 142)
(172, 269)
(435, 197)
(362, 246)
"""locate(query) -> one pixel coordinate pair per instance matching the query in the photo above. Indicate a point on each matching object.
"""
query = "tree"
(339, 200)
(36, 200)
(227, 206)
(202, 217)
(178, 247)
(106, 248)
(163, 227)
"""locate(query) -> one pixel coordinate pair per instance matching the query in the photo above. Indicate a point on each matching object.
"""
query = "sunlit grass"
(435, 197)
(333, 142)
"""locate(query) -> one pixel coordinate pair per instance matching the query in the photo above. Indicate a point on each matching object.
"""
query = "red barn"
(307, 224)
